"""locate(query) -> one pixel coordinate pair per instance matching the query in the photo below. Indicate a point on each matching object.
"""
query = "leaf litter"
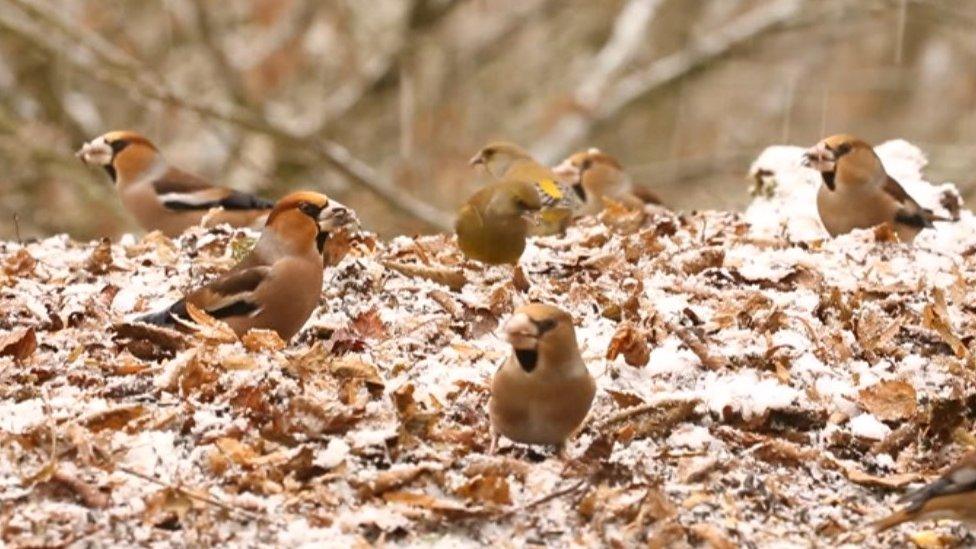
(759, 385)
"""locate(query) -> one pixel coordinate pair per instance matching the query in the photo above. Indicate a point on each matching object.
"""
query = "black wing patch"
(237, 308)
(236, 200)
(921, 218)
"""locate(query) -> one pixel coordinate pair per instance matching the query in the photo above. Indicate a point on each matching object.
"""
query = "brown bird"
(857, 192)
(162, 197)
(596, 176)
(277, 285)
(507, 161)
(492, 226)
(543, 392)
(953, 496)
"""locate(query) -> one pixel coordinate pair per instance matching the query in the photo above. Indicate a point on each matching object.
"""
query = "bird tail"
(892, 520)
(158, 318)
(165, 317)
(646, 195)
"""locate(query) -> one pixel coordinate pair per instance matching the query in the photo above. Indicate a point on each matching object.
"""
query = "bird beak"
(566, 171)
(335, 216)
(95, 153)
(521, 332)
(822, 159)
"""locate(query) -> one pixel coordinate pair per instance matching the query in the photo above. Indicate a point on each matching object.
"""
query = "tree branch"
(629, 31)
(759, 21)
(122, 71)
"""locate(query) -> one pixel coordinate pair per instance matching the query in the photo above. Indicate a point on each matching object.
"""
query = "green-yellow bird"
(492, 226)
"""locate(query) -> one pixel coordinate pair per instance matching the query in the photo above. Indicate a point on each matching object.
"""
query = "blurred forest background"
(380, 103)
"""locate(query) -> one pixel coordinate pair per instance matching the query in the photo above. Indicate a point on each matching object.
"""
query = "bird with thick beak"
(505, 161)
(857, 192)
(165, 198)
(277, 286)
(542, 393)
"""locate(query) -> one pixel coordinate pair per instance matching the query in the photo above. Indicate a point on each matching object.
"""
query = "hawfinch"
(503, 160)
(951, 497)
(857, 193)
(162, 197)
(492, 226)
(543, 392)
(597, 176)
(277, 285)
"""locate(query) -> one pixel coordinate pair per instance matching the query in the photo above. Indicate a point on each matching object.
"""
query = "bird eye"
(309, 209)
(544, 325)
(586, 164)
(118, 145)
(842, 149)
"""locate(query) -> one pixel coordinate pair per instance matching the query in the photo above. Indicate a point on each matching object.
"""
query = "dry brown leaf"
(697, 346)
(889, 400)
(452, 278)
(392, 479)
(20, 263)
(369, 325)
(489, 489)
(100, 259)
(236, 451)
(90, 495)
(697, 261)
(713, 536)
(208, 328)
(314, 417)
(935, 316)
(630, 342)
(885, 232)
(19, 344)
(353, 367)
(621, 219)
(257, 340)
(930, 539)
(431, 503)
(624, 399)
(113, 419)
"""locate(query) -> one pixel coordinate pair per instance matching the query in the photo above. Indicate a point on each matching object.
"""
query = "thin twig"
(192, 495)
(761, 20)
(130, 75)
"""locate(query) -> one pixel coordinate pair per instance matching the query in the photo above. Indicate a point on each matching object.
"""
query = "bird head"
(304, 218)
(538, 329)
(125, 155)
(498, 156)
(591, 162)
(844, 159)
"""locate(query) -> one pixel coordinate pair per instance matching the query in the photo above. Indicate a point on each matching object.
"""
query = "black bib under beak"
(527, 358)
(828, 178)
(320, 240)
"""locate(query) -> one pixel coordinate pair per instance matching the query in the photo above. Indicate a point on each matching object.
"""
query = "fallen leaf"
(207, 327)
(100, 259)
(19, 344)
(20, 263)
(889, 400)
(114, 419)
(260, 341)
(486, 489)
(630, 342)
(935, 316)
(452, 278)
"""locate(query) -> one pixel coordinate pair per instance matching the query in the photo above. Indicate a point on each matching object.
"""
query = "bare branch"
(126, 73)
(759, 21)
(629, 31)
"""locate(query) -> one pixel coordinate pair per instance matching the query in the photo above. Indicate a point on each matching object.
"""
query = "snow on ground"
(767, 387)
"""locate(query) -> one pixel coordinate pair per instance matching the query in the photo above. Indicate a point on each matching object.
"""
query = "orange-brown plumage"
(162, 197)
(277, 285)
(543, 392)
